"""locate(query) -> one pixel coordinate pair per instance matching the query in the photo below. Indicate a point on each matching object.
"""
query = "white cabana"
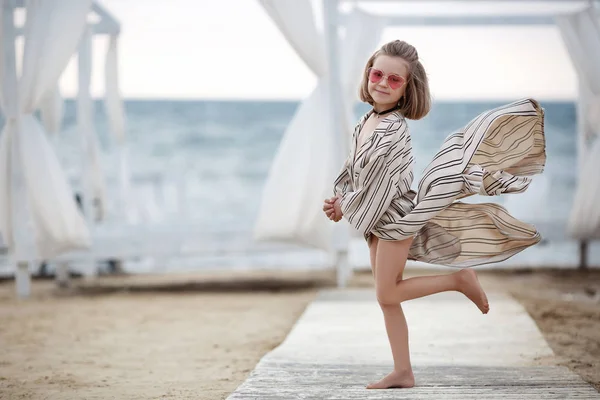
(39, 218)
(581, 34)
(315, 142)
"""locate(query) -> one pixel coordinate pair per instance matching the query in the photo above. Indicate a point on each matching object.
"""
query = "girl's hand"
(338, 209)
(332, 210)
(328, 208)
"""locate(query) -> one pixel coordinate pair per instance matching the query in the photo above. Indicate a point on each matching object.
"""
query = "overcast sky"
(231, 49)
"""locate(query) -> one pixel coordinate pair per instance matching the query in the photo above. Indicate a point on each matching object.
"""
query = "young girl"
(492, 155)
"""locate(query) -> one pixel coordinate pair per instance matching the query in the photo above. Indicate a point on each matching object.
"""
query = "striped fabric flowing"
(496, 153)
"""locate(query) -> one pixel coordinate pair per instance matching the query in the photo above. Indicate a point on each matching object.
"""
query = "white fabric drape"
(581, 34)
(52, 110)
(291, 194)
(300, 177)
(305, 164)
(296, 21)
(52, 31)
(93, 176)
(113, 105)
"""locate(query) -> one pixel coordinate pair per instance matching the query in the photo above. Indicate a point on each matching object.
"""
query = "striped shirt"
(496, 153)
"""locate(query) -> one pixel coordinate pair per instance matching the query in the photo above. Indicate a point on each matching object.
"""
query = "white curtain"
(113, 105)
(296, 21)
(581, 34)
(291, 194)
(35, 198)
(303, 169)
(52, 110)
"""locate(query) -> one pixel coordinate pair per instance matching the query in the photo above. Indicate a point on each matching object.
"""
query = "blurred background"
(154, 142)
(210, 87)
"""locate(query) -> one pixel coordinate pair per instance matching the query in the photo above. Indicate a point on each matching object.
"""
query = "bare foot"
(469, 285)
(394, 380)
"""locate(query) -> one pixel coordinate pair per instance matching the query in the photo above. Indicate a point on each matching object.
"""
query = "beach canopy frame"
(316, 141)
(39, 217)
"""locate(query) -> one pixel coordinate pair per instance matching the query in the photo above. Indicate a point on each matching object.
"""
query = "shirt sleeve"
(378, 182)
(342, 182)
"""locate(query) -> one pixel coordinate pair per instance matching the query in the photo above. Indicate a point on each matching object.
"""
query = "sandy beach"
(198, 336)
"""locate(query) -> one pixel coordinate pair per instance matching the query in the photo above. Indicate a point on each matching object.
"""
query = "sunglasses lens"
(395, 81)
(375, 75)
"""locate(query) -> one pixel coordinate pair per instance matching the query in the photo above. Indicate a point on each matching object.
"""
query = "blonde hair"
(416, 101)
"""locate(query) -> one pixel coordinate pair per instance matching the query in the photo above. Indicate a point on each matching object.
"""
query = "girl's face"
(387, 81)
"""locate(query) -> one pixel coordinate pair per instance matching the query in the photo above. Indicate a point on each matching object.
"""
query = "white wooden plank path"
(339, 345)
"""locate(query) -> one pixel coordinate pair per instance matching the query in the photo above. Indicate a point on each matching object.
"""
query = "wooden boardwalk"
(339, 345)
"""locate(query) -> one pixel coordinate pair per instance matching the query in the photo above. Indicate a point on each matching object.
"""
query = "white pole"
(341, 242)
(113, 105)
(582, 152)
(86, 130)
(17, 200)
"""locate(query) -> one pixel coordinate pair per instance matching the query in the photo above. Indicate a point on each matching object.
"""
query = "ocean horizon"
(221, 151)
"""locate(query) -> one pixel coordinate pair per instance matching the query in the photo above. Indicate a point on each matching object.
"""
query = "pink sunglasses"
(395, 81)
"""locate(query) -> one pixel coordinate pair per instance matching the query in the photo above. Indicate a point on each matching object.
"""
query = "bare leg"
(373, 252)
(390, 262)
(464, 281)
(391, 289)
